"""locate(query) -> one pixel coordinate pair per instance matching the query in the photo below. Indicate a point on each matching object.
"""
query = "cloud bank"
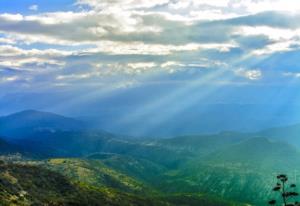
(138, 41)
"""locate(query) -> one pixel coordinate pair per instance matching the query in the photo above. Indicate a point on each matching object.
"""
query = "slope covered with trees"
(190, 170)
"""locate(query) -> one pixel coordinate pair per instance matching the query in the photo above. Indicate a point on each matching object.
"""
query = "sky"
(141, 56)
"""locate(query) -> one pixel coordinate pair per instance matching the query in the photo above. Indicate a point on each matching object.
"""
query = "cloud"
(254, 74)
(122, 4)
(30, 63)
(103, 38)
(292, 74)
(255, 6)
(33, 7)
(8, 79)
(7, 41)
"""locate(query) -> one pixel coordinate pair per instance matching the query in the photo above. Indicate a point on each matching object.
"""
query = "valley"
(54, 160)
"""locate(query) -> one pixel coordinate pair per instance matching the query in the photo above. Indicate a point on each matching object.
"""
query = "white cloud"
(142, 65)
(171, 64)
(8, 79)
(76, 76)
(31, 60)
(7, 41)
(13, 51)
(254, 74)
(255, 6)
(292, 74)
(33, 7)
(138, 36)
(276, 34)
(281, 40)
(123, 4)
(139, 48)
(277, 47)
(11, 17)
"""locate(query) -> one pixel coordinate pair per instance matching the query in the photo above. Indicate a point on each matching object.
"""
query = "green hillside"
(28, 184)
(244, 172)
(289, 134)
(95, 173)
(144, 170)
(113, 170)
(202, 144)
(258, 154)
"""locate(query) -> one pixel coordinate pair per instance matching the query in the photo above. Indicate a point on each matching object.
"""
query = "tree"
(288, 193)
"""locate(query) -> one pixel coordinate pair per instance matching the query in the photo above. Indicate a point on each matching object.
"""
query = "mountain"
(50, 135)
(32, 184)
(202, 144)
(200, 118)
(143, 170)
(244, 172)
(81, 144)
(258, 153)
(112, 172)
(97, 174)
(28, 185)
(24, 124)
(289, 134)
(7, 148)
(183, 169)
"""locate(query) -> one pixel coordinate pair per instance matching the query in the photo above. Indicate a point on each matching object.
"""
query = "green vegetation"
(27, 184)
(98, 168)
(30, 185)
(95, 173)
(287, 193)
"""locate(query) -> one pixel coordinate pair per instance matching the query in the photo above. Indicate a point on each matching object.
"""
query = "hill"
(242, 172)
(202, 144)
(28, 185)
(144, 170)
(258, 153)
(230, 165)
(49, 135)
(289, 134)
(97, 174)
(31, 185)
(24, 124)
(84, 143)
(7, 148)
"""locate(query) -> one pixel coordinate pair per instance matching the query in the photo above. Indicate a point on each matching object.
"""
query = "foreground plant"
(287, 192)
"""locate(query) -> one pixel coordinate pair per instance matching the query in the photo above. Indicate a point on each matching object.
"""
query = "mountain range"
(228, 168)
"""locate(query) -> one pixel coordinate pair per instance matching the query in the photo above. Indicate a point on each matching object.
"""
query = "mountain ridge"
(23, 124)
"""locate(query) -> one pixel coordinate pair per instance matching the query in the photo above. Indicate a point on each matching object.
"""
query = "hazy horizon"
(183, 69)
(157, 62)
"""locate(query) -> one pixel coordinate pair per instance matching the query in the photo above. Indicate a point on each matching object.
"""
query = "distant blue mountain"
(289, 134)
(8, 148)
(26, 123)
(135, 112)
(199, 119)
